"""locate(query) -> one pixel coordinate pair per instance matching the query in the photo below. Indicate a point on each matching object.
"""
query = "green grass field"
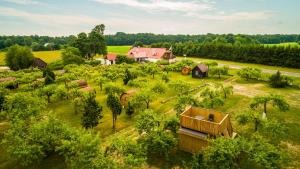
(118, 49)
(292, 44)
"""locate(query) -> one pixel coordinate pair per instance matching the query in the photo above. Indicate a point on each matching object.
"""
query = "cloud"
(163, 5)
(237, 16)
(49, 19)
(23, 2)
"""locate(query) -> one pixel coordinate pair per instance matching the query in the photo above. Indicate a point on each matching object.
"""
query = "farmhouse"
(151, 54)
(39, 63)
(200, 71)
(197, 125)
(111, 58)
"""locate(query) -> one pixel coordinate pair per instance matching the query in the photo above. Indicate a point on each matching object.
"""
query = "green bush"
(280, 81)
(18, 57)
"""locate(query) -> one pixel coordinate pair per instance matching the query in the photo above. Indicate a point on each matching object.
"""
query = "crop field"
(118, 49)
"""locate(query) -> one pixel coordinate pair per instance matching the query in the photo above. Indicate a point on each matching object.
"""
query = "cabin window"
(196, 73)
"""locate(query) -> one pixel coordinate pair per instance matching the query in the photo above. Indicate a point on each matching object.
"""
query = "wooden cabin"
(200, 71)
(39, 63)
(197, 125)
(186, 70)
(124, 98)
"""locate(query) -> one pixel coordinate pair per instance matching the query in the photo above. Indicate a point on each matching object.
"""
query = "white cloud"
(238, 16)
(23, 2)
(163, 5)
(49, 19)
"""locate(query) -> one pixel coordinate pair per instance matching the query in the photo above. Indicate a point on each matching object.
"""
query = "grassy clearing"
(118, 49)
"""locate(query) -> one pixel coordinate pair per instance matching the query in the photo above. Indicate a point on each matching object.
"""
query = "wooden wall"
(191, 144)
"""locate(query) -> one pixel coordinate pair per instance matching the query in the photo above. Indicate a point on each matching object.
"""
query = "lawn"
(118, 49)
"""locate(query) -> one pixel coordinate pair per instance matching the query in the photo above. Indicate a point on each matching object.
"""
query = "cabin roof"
(37, 62)
(201, 67)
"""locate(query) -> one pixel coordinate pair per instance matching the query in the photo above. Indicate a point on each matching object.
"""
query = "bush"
(280, 81)
(49, 76)
(56, 65)
(172, 124)
(250, 73)
(94, 62)
(71, 55)
(18, 57)
(124, 59)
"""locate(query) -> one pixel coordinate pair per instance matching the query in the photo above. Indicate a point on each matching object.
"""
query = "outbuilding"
(200, 71)
(39, 63)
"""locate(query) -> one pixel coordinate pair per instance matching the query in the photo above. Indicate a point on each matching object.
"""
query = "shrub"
(124, 59)
(56, 65)
(71, 55)
(280, 81)
(250, 73)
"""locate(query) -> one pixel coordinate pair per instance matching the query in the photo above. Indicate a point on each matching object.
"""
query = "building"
(111, 58)
(200, 71)
(39, 63)
(197, 125)
(140, 54)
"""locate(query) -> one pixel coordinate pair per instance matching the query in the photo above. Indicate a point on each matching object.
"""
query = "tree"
(23, 106)
(250, 117)
(151, 69)
(138, 44)
(280, 81)
(124, 59)
(180, 86)
(165, 77)
(101, 80)
(48, 91)
(183, 101)
(78, 105)
(129, 109)
(250, 73)
(18, 57)
(219, 71)
(92, 112)
(172, 124)
(97, 43)
(145, 97)
(49, 76)
(147, 121)
(112, 89)
(277, 101)
(226, 90)
(2, 99)
(128, 76)
(115, 106)
(71, 55)
(211, 97)
(159, 88)
(159, 143)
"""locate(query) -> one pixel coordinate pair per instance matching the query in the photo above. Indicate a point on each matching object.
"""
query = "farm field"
(244, 91)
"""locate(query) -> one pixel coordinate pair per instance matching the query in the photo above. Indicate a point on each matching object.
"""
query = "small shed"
(39, 63)
(200, 71)
(124, 98)
(197, 125)
(186, 70)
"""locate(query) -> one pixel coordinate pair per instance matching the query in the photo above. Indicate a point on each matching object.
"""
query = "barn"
(39, 63)
(197, 125)
(200, 71)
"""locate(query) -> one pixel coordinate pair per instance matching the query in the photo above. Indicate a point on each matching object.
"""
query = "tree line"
(40, 43)
(288, 56)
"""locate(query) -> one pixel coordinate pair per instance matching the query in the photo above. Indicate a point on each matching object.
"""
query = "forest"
(286, 56)
(43, 43)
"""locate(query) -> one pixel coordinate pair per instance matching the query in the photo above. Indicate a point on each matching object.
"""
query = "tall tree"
(97, 43)
(115, 106)
(71, 55)
(92, 112)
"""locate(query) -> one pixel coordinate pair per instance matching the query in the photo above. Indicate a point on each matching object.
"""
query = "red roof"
(155, 53)
(111, 56)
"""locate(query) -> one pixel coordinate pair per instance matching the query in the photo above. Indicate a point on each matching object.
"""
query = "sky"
(70, 17)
